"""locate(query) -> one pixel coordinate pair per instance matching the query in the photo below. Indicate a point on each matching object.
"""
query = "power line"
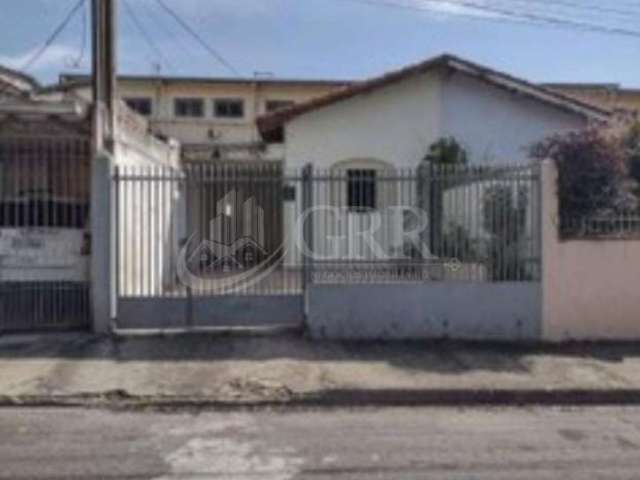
(198, 38)
(577, 6)
(558, 21)
(152, 44)
(505, 14)
(52, 38)
(158, 19)
(427, 8)
(83, 46)
(49, 41)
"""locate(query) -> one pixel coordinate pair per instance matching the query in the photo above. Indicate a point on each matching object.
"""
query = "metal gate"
(204, 246)
(44, 254)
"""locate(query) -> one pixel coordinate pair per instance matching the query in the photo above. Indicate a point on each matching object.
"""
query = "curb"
(339, 399)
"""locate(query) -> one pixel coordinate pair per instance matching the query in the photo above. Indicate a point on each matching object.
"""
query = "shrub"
(631, 144)
(590, 168)
(443, 156)
(447, 152)
(505, 218)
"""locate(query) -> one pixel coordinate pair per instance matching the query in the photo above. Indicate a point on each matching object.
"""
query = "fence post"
(549, 233)
(103, 243)
(307, 228)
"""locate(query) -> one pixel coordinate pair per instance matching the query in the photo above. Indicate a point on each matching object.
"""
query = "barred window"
(141, 105)
(189, 107)
(228, 108)
(361, 189)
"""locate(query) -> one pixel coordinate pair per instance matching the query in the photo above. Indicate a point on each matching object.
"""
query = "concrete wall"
(148, 210)
(463, 311)
(590, 286)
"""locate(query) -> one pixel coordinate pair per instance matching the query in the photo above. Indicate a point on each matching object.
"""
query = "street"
(567, 443)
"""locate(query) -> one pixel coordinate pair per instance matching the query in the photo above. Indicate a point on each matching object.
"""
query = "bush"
(444, 154)
(631, 144)
(505, 218)
(447, 152)
(591, 171)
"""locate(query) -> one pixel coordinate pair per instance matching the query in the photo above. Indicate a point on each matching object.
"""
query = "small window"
(361, 189)
(141, 105)
(189, 107)
(228, 108)
(273, 105)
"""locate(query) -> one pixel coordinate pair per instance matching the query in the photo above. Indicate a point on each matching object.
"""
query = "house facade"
(211, 117)
(395, 118)
(15, 84)
(370, 137)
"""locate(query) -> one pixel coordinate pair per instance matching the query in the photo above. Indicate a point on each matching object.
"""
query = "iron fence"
(44, 238)
(612, 224)
(434, 223)
(247, 228)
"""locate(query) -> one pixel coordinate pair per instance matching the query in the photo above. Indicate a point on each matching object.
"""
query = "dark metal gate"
(44, 210)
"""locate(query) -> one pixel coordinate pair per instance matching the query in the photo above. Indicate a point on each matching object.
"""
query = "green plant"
(631, 144)
(436, 171)
(590, 173)
(505, 218)
(447, 151)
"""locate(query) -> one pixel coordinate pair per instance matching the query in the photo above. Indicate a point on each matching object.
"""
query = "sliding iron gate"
(203, 246)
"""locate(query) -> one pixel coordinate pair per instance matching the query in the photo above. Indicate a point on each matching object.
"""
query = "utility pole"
(104, 19)
(103, 197)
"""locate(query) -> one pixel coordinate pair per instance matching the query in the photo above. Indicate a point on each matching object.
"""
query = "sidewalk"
(79, 369)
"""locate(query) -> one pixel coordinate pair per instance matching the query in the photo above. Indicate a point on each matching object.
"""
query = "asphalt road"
(473, 444)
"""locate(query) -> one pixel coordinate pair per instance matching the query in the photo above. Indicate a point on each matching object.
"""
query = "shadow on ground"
(437, 357)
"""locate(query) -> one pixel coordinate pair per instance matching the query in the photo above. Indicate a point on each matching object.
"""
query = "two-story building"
(210, 117)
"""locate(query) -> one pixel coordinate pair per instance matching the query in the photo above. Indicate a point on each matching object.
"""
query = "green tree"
(436, 176)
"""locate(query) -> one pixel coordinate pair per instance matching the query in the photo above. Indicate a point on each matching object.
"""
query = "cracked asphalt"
(416, 443)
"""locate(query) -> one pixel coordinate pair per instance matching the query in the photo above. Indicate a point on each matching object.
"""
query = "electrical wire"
(148, 38)
(77, 61)
(52, 38)
(217, 55)
(37, 55)
(504, 14)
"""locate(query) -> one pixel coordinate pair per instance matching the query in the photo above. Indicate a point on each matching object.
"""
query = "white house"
(385, 126)
(394, 118)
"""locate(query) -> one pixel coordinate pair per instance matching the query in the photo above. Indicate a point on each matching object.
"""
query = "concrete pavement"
(453, 444)
(248, 370)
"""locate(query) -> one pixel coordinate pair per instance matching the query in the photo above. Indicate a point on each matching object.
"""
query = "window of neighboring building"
(189, 107)
(142, 105)
(273, 105)
(361, 189)
(228, 107)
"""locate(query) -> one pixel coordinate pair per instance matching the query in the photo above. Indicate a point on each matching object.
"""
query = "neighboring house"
(46, 152)
(15, 84)
(211, 117)
(604, 95)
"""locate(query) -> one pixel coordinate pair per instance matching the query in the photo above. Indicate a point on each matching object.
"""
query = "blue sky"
(331, 39)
